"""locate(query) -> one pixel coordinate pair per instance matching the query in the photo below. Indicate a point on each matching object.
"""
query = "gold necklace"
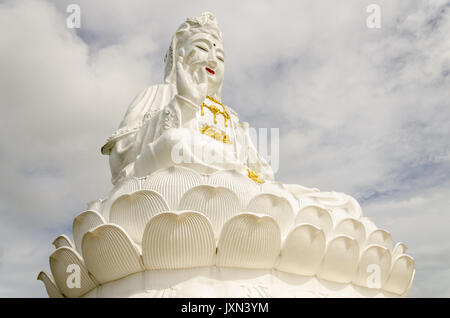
(214, 110)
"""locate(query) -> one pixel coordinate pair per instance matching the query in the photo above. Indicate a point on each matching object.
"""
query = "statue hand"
(192, 80)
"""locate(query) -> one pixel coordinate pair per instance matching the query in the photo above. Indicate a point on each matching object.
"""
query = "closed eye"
(221, 59)
(202, 48)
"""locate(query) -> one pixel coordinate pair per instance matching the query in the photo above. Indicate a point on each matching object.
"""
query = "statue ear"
(169, 59)
(169, 69)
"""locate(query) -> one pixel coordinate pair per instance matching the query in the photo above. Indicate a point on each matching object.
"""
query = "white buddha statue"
(183, 121)
(195, 211)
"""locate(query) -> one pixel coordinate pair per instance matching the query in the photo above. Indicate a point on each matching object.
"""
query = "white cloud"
(59, 103)
(361, 111)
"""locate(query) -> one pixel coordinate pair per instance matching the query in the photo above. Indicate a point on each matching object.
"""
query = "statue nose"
(212, 61)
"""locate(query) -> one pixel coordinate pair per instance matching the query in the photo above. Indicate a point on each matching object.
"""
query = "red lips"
(210, 70)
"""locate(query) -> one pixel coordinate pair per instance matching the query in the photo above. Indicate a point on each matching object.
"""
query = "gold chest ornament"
(208, 129)
(217, 109)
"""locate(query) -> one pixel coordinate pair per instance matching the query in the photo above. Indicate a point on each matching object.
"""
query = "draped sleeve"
(123, 145)
(253, 159)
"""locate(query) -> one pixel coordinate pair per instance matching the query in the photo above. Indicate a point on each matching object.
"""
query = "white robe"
(161, 129)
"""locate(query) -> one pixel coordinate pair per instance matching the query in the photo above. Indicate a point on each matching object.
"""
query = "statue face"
(205, 47)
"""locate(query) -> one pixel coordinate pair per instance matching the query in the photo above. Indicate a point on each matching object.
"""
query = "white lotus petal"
(368, 225)
(335, 200)
(278, 189)
(298, 190)
(84, 222)
(338, 215)
(61, 241)
(353, 207)
(399, 249)
(127, 186)
(172, 183)
(341, 260)
(380, 237)
(62, 262)
(352, 228)
(217, 203)
(178, 240)
(133, 211)
(241, 185)
(405, 293)
(95, 205)
(305, 200)
(50, 286)
(374, 267)
(249, 240)
(331, 198)
(277, 207)
(401, 275)
(110, 254)
(303, 250)
(317, 216)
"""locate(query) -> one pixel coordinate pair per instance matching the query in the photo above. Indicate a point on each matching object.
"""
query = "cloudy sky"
(360, 110)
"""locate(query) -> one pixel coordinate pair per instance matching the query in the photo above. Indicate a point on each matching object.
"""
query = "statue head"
(201, 39)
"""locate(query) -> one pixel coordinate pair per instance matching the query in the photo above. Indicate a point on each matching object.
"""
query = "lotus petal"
(217, 203)
(368, 225)
(305, 200)
(352, 228)
(110, 254)
(331, 198)
(277, 207)
(380, 237)
(50, 286)
(303, 250)
(401, 275)
(298, 190)
(317, 216)
(278, 189)
(374, 267)
(172, 183)
(128, 186)
(353, 207)
(341, 260)
(84, 222)
(338, 215)
(249, 240)
(63, 262)
(336, 200)
(133, 211)
(63, 240)
(183, 240)
(95, 205)
(241, 185)
(399, 249)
